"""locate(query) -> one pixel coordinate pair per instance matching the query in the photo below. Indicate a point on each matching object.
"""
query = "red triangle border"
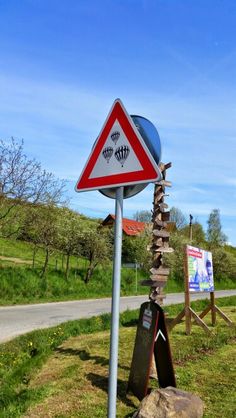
(150, 170)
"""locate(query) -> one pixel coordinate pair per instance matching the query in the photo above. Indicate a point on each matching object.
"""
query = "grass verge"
(62, 371)
(20, 283)
(23, 284)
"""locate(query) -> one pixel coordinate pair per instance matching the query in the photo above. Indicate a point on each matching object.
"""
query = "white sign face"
(147, 319)
(117, 155)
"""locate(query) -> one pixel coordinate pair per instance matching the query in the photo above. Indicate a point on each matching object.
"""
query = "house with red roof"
(130, 227)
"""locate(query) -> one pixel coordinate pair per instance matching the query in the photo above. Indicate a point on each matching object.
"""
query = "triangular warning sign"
(119, 157)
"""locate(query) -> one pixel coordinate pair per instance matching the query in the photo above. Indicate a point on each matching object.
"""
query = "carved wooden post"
(160, 242)
(160, 246)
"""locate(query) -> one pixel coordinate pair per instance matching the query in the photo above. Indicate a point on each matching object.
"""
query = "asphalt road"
(19, 319)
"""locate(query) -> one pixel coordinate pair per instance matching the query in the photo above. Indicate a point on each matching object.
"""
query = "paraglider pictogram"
(107, 153)
(122, 154)
(115, 136)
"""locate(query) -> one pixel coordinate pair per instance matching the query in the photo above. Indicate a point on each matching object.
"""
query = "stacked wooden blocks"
(160, 242)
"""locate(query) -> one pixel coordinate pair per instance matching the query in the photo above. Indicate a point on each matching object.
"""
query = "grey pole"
(114, 339)
(190, 228)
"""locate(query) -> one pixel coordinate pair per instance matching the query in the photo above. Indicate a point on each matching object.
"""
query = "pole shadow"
(86, 356)
(101, 382)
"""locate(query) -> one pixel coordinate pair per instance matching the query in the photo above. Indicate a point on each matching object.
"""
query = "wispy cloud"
(44, 113)
(60, 122)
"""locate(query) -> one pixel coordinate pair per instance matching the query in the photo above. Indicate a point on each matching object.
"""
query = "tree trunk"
(88, 275)
(90, 271)
(77, 266)
(67, 266)
(34, 255)
(45, 262)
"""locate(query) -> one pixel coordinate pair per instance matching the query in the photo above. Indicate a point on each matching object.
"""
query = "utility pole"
(190, 228)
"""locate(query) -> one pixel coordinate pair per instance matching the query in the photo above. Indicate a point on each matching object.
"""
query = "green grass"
(24, 285)
(24, 250)
(72, 380)
(20, 283)
(213, 379)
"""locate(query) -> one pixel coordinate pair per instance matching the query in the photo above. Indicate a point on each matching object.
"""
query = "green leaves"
(215, 235)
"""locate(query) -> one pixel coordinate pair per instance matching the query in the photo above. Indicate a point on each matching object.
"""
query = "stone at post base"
(170, 403)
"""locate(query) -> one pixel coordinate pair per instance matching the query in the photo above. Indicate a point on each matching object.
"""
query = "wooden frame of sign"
(190, 314)
(151, 340)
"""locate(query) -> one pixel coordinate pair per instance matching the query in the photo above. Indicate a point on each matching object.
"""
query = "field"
(63, 372)
(21, 283)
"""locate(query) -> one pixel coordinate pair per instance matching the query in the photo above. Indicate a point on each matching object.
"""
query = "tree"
(97, 248)
(23, 180)
(30, 227)
(143, 216)
(224, 264)
(175, 260)
(136, 249)
(215, 236)
(72, 229)
(177, 216)
(42, 230)
(198, 233)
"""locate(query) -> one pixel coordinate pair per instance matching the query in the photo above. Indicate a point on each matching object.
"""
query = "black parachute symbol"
(107, 153)
(122, 154)
(115, 136)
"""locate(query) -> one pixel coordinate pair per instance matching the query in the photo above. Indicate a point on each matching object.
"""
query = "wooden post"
(213, 312)
(223, 316)
(199, 321)
(160, 241)
(160, 245)
(187, 297)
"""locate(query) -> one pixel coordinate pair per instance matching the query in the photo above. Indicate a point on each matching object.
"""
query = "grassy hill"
(21, 283)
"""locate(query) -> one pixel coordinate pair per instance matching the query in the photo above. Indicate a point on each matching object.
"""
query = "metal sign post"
(114, 338)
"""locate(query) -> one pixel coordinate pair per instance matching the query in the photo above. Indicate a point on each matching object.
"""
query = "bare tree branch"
(22, 180)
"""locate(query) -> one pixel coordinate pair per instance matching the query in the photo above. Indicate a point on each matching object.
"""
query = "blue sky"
(63, 63)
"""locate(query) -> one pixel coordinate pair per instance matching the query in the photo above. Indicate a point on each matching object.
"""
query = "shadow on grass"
(85, 356)
(101, 382)
(130, 323)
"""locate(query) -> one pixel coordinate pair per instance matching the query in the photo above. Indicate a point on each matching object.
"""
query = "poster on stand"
(200, 270)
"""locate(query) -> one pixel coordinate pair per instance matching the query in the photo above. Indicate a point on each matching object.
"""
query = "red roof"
(130, 227)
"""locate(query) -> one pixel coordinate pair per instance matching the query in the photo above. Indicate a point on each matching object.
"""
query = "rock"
(170, 403)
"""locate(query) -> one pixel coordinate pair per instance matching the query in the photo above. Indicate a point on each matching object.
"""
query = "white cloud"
(60, 122)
